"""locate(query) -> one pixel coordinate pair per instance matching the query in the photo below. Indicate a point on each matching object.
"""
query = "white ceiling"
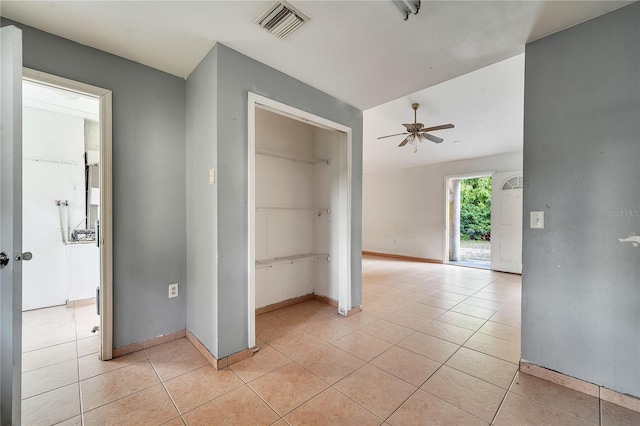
(486, 107)
(361, 52)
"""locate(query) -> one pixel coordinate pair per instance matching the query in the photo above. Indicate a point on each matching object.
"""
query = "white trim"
(106, 197)
(251, 215)
(445, 246)
(344, 255)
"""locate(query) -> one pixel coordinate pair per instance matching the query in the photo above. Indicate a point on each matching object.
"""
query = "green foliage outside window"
(475, 209)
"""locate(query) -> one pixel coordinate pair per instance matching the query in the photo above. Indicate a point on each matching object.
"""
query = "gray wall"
(581, 284)
(202, 213)
(237, 75)
(148, 179)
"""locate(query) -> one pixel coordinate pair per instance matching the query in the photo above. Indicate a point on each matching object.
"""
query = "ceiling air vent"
(281, 19)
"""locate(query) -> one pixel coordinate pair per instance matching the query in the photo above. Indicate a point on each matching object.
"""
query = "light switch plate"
(537, 220)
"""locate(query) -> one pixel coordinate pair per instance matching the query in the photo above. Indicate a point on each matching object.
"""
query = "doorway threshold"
(470, 263)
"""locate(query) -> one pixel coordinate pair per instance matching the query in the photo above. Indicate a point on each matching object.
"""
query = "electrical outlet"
(173, 290)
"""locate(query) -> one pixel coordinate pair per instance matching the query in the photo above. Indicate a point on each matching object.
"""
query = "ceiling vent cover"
(281, 19)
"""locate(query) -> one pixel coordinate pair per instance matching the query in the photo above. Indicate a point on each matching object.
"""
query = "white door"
(10, 224)
(506, 222)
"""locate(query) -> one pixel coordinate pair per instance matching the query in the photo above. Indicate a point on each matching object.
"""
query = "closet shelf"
(268, 263)
(306, 209)
(292, 157)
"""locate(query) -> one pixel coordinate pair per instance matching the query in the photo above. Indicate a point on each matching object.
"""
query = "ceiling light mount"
(408, 7)
(281, 19)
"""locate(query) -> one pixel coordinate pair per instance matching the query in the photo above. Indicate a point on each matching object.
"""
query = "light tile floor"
(435, 344)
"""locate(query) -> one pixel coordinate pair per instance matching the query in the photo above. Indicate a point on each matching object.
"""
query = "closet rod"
(292, 157)
(268, 263)
(51, 160)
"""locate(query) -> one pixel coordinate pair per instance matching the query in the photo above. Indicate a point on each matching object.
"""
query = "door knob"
(27, 255)
(4, 259)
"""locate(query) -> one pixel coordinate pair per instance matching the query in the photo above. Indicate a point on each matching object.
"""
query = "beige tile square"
(459, 290)
(48, 378)
(437, 302)
(74, 421)
(462, 320)
(48, 356)
(91, 365)
(356, 321)
(52, 407)
(424, 310)
(406, 365)
(576, 403)
(517, 410)
(273, 328)
(105, 388)
(474, 311)
(330, 363)
(501, 331)
(473, 395)
(387, 331)
(424, 408)
(297, 343)
(201, 386)
(483, 294)
(429, 346)
(265, 360)
(174, 358)
(490, 369)
(88, 346)
(503, 349)
(42, 328)
(376, 390)
(302, 317)
(615, 415)
(175, 422)
(512, 320)
(377, 309)
(449, 332)
(328, 330)
(362, 345)
(484, 303)
(288, 387)
(407, 319)
(332, 408)
(454, 297)
(150, 406)
(238, 407)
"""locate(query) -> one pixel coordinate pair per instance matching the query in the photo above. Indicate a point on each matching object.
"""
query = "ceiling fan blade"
(440, 127)
(389, 136)
(432, 138)
(405, 141)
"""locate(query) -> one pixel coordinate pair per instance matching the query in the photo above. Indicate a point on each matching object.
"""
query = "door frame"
(106, 196)
(344, 210)
(11, 224)
(445, 246)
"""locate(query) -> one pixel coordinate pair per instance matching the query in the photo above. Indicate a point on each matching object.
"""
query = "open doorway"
(67, 223)
(469, 220)
(299, 209)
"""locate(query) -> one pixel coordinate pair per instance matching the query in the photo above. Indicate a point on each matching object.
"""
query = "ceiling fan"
(417, 132)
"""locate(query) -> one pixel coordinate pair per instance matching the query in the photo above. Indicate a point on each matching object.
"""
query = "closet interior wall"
(296, 192)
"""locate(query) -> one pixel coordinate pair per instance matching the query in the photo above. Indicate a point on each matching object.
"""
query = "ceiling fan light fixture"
(408, 7)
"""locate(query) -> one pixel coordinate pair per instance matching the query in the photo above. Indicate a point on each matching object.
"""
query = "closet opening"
(299, 209)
